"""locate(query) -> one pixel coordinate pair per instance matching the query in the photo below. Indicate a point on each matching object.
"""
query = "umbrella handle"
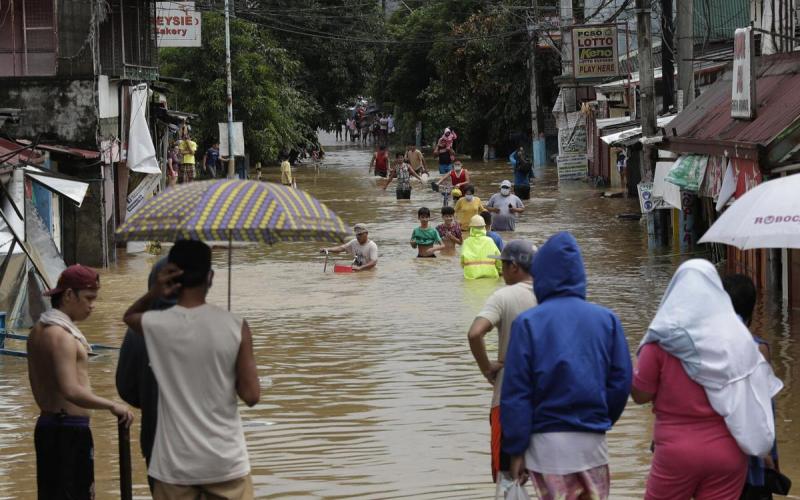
(325, 267)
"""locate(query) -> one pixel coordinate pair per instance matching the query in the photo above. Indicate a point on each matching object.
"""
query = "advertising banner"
(572, 167)
(595, 51)
(743, 91)
(178, 24)
(572, 137)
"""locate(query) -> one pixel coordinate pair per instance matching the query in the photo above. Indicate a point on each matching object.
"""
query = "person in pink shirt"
(695, 454)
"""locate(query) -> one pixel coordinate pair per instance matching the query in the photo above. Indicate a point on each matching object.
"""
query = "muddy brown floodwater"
(372, 390)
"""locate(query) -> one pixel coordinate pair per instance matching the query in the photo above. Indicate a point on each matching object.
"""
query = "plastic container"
(341, 268)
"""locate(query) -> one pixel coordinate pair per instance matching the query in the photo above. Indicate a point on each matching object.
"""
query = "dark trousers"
(64, 458)
(523, 192)
(403, 194)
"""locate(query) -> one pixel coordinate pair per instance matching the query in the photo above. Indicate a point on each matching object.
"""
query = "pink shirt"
(679, 401)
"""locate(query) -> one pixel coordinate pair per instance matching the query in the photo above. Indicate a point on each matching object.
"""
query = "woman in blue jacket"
(567, 379)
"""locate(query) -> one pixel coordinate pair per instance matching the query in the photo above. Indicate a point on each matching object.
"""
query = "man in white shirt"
(202, 358)
(504, 206)
(363, 250)
(500, 310)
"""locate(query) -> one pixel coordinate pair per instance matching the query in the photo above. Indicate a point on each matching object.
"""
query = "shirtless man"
(58, 355)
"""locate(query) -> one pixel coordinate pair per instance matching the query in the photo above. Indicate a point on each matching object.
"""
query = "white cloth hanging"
(697, 324)
(141, 152)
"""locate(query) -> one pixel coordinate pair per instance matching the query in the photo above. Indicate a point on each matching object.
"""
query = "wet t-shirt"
(504, 220)
(362, 254)
(425, 236)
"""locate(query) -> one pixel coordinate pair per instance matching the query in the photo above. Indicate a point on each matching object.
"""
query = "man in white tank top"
(202, 358)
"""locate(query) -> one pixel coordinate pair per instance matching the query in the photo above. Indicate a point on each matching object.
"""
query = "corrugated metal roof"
(13, 153)
(709, 116)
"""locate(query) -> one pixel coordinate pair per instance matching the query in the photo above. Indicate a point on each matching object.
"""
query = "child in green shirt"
(424, 237)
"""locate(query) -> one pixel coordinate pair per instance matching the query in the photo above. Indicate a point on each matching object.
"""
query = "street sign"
(572, 167)
(594, 51)
(178, 25)
(743, 90)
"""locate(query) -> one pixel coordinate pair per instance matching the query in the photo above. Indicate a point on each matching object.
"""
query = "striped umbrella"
(233, 210)
(236, 210)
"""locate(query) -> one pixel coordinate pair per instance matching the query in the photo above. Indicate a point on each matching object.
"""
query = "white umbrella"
(767, 216)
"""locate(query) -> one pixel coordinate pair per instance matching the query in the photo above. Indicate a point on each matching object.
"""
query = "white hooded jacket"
(697, 324)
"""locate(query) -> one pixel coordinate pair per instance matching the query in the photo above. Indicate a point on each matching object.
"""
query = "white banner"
(743, 90)
(238, 139)
(178, 25)
(143, 192)
(572, 167)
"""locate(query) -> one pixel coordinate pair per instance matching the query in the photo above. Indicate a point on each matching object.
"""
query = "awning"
(85, 154)
(61, 184)
(619, 137)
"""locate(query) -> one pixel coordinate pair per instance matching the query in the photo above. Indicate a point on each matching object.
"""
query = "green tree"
(275, 114)
(334, 42)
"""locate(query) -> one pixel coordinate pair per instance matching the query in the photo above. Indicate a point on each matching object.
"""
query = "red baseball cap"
(78, 277)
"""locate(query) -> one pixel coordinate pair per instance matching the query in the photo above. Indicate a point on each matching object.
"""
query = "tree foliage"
(276, 115)
(472, 75)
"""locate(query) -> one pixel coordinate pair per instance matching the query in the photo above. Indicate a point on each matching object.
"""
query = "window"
(27, 38)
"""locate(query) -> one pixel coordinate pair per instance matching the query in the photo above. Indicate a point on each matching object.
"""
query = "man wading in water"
(57, 369)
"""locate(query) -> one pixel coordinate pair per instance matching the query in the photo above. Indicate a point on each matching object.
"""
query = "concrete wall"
(62, 111)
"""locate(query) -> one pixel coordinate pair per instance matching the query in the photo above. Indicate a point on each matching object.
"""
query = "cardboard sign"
(572, 167)
(594, 51)
(178, 25)
(647, 200)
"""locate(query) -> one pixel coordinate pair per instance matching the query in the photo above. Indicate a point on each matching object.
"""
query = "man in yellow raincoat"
(476, 252)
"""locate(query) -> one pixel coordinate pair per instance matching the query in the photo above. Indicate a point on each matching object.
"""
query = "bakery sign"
(178, 24)
(594, 51)
(743, 91)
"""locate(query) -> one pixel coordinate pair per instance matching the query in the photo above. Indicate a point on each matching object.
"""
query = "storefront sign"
(743, 92)
(647, 200)
(594, 51)
(143, 192)
(572, 167)
(748, 175)
(178, 24)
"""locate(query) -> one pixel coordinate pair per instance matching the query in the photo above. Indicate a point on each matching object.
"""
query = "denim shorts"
(445, 169)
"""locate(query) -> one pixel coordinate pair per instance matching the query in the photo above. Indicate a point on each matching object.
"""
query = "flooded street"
(373, 391)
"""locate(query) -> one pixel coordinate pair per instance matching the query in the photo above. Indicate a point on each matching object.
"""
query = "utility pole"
(646, 85)
(567, 72)
(685, 36)
(534, 95)
(667, 55)
(231, 161)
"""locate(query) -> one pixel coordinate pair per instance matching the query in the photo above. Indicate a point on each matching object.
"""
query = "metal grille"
(127, 39)
(28, 43)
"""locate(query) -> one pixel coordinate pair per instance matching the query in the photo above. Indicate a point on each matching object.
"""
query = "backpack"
(524, 167)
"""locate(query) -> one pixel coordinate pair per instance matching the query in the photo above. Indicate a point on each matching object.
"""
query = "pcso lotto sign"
(595, 51)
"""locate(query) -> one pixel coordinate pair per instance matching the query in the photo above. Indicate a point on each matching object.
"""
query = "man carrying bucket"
(363, 250)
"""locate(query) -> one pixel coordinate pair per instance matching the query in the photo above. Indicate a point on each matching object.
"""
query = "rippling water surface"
(372, 391)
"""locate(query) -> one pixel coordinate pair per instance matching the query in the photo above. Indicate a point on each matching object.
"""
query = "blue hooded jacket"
(568, 367)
